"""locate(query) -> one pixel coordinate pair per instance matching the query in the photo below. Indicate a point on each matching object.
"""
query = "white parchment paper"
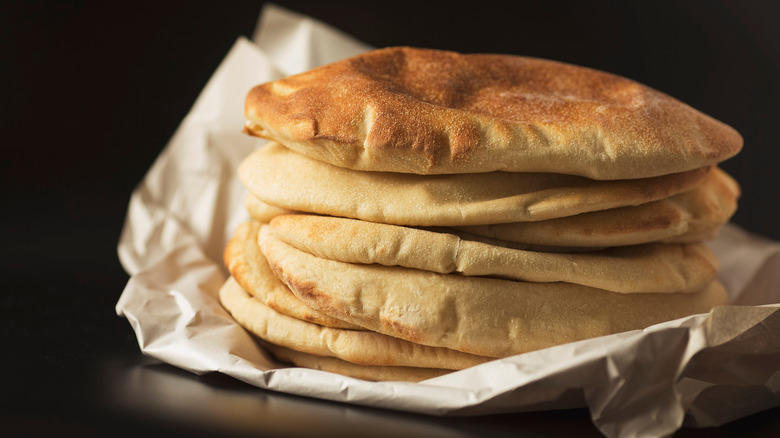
(703, 370)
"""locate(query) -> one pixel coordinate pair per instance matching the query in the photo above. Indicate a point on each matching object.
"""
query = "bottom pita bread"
(365, 372)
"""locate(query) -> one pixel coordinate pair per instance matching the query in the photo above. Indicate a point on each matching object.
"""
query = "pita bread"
(434, 112)
(365, 372)
(482, 316)
(360, 347)
(282, 178)
(659, 268)
(688, 217)
(262, 212)
(248, 267)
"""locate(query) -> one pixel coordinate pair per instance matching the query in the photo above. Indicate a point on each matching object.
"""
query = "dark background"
(91, 91)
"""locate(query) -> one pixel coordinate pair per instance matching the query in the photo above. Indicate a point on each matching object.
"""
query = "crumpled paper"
(702, 370)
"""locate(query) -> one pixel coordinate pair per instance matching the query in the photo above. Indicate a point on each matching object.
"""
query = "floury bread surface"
(425, 111)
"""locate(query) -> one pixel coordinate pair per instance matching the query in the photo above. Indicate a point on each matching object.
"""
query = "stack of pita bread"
(423, 211)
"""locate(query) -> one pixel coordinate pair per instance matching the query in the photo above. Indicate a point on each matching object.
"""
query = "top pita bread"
(432, 112)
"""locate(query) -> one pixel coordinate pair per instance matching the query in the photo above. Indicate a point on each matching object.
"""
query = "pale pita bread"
(248, 267)
(434, 112)
(260, 211)
(360, 347)
(483, 316)
(365, 372)
(285, 179)
(659, 268)
(693, 216)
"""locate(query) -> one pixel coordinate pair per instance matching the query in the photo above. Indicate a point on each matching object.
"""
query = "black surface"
(91, 92)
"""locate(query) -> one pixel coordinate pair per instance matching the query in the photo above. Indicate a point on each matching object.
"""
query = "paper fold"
(702, 370)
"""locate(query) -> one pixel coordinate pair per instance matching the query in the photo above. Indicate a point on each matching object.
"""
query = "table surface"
(92, 91)
(112, 390)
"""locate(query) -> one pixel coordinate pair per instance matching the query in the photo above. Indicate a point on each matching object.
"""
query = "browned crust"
(426, 111)
(311, 294)
(241, 257)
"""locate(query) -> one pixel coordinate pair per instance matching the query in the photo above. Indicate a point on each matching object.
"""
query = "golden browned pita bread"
(248, 267)
(659, 268)
(365, 372)
(282, 178)
(483, 316)
(434, 112)
(360, 347)
(692, 216)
